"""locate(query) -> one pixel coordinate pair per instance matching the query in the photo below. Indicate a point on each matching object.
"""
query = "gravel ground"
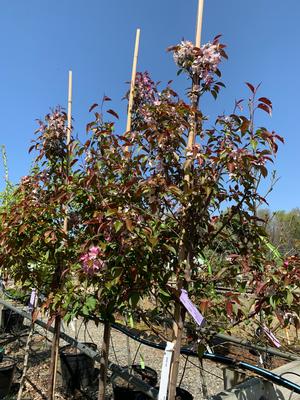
(36, 385)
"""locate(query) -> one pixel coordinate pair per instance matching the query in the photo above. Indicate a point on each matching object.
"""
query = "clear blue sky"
(41, 40)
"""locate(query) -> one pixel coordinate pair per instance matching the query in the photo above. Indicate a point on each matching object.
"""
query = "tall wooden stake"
(191, 138)
(132, 82)
(57, 324)
(184, 255)
(133, 75)
(199, 23)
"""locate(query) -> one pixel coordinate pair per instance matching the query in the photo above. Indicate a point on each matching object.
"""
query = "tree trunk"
(54, 358)
(104, 361)
(177, 336)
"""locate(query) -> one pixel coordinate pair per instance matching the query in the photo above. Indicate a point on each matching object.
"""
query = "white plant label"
(165, 372)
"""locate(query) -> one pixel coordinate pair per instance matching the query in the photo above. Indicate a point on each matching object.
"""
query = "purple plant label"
(271, 336)
(191, 308)
(31, 304)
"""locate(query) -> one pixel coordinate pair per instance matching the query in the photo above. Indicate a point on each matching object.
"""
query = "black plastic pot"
(147, 374)
(77, 369)
(124, 391)
(6, 375)
(11, 321)
(182, 394)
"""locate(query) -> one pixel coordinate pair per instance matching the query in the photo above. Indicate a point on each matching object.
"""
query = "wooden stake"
(184, 255)
(70, 94)
(57, 325)
(199, 23)
(287, 334)
(192, 133)
(104, 361)
(132, 83)
(69, 130)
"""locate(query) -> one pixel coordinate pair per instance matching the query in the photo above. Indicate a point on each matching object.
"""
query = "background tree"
(283, 228)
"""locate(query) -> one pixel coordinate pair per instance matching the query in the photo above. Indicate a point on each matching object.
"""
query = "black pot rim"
(87, 344)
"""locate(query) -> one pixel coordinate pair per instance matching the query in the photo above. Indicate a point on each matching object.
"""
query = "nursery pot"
(147, 374)
(11, 321)
(77, 369)
(182, 394)
(124, 391)
(7, 369)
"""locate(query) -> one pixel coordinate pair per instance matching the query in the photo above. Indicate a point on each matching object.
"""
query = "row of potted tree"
(173, 200)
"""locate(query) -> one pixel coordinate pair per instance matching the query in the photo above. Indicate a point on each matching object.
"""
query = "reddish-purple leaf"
(93, 106)
(229, 309)
(266, 108)
(245, 125)
(112, 112)
(106, 98)
(251, 87)
(280, 138)
(266, 101)
(216, 38)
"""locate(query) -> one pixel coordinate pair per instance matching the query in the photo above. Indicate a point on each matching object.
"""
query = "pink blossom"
(202, 63)
(91, 261)
(94, 251)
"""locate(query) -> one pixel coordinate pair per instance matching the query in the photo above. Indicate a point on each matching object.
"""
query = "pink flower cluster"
(54, 133)
(145, 88)
(91, 261)
(184, 55)
(201, 62)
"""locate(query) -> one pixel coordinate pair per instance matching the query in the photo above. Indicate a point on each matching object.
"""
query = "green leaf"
(142, 361)
(85, 310)
(289, 298)
(118, 225)
(163, 293)
(91, 303)
(131, 323)
(253, 144)
(201, 350)
(134, 299)
(273, 302)
(273, 249)
(170, 248)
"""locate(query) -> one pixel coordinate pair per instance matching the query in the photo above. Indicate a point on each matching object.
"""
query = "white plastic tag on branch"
(32, 301)
(165, 372)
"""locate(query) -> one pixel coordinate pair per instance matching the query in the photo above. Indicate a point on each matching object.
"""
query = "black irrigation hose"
(219, 359)
(226, 338)
(212, 357)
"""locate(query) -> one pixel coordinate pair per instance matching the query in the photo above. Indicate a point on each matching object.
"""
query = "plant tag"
(271, 336)
(191, 308)
(209, 350)
(32, 301)
(165, 372)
